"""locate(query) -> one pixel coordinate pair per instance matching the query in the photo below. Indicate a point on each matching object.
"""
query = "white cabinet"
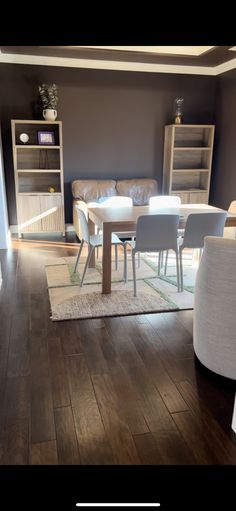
(44, 213)
(28, 213)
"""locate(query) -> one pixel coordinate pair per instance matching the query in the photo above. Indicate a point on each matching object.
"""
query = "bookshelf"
(39, 181)
(187, 161)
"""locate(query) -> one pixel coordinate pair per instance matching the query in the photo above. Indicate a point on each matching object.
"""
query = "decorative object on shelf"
(51, 189)
(49, 98)
(178, 110)
(24, 138)
(49, 114)
(46, 138)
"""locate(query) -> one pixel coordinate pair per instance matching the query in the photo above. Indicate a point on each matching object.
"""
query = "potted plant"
(49, 98)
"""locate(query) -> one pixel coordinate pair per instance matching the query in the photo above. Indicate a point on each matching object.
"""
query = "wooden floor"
(123, 390)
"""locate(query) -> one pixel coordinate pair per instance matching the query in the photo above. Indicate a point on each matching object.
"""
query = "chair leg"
(166, 261)
(98, 232)
(159, 264)
(181, 269)
(162, 258)
(78, 256)
(125, 263)
(139, 259)
(177, 270)
(116, 257)
(91, 248)
(134, 273)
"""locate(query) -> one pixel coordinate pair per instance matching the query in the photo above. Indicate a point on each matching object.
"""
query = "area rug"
(154, 294)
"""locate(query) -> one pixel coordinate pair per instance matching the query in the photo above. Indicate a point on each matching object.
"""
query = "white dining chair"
(165, 201)
(154, 233)
(117, 201)
(198, 226)
(93, 241)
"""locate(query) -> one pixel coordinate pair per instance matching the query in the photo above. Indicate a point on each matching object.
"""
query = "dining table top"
(128, 215)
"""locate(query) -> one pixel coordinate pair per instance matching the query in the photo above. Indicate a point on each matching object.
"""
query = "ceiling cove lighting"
(194, 51)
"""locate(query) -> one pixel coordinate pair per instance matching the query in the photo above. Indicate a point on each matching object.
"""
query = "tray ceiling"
(205, 60)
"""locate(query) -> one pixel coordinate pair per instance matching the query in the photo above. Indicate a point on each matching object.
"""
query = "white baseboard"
(14, 228)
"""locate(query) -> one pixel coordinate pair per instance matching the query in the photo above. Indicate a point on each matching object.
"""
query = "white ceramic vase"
(49, 114)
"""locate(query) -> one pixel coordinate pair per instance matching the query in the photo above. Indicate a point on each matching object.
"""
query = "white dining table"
(124, 219)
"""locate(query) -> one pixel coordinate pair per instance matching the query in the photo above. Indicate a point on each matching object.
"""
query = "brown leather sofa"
(92, 192)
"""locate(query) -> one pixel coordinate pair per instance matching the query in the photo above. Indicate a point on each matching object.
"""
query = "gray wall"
(113, 122)
(223, 189)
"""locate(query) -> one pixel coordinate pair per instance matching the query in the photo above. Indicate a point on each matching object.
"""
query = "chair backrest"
(156, 232)
(164, 201)
(117, 201)
(83, 224)
(199, 225)
(232, 207)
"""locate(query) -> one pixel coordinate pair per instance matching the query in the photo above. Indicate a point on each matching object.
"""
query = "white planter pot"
(49, 114)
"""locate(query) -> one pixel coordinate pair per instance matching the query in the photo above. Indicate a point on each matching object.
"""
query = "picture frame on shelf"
(46, 138)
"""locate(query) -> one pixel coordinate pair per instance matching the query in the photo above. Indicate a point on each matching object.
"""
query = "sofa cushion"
(140, 189)
(93, 189)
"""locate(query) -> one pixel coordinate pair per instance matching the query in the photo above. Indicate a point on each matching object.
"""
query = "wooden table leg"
(106, 258)
(92, 231)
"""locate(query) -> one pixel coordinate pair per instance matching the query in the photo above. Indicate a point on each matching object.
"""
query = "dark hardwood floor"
(122, 390)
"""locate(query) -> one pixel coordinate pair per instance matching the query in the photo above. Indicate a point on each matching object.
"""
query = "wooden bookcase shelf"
(187, 161)
(37, 168)
(21, 146)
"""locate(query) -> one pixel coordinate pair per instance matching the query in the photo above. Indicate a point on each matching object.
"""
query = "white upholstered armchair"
(214, 333)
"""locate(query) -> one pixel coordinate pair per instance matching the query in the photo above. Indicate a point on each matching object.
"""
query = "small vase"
(178, 119)
(178, 110)
(49, 114)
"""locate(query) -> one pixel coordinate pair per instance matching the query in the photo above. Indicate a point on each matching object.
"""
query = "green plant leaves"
(49, 95)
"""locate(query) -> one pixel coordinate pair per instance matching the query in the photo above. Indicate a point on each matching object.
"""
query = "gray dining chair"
(154, 233)
(198, 226)
(93, 241)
